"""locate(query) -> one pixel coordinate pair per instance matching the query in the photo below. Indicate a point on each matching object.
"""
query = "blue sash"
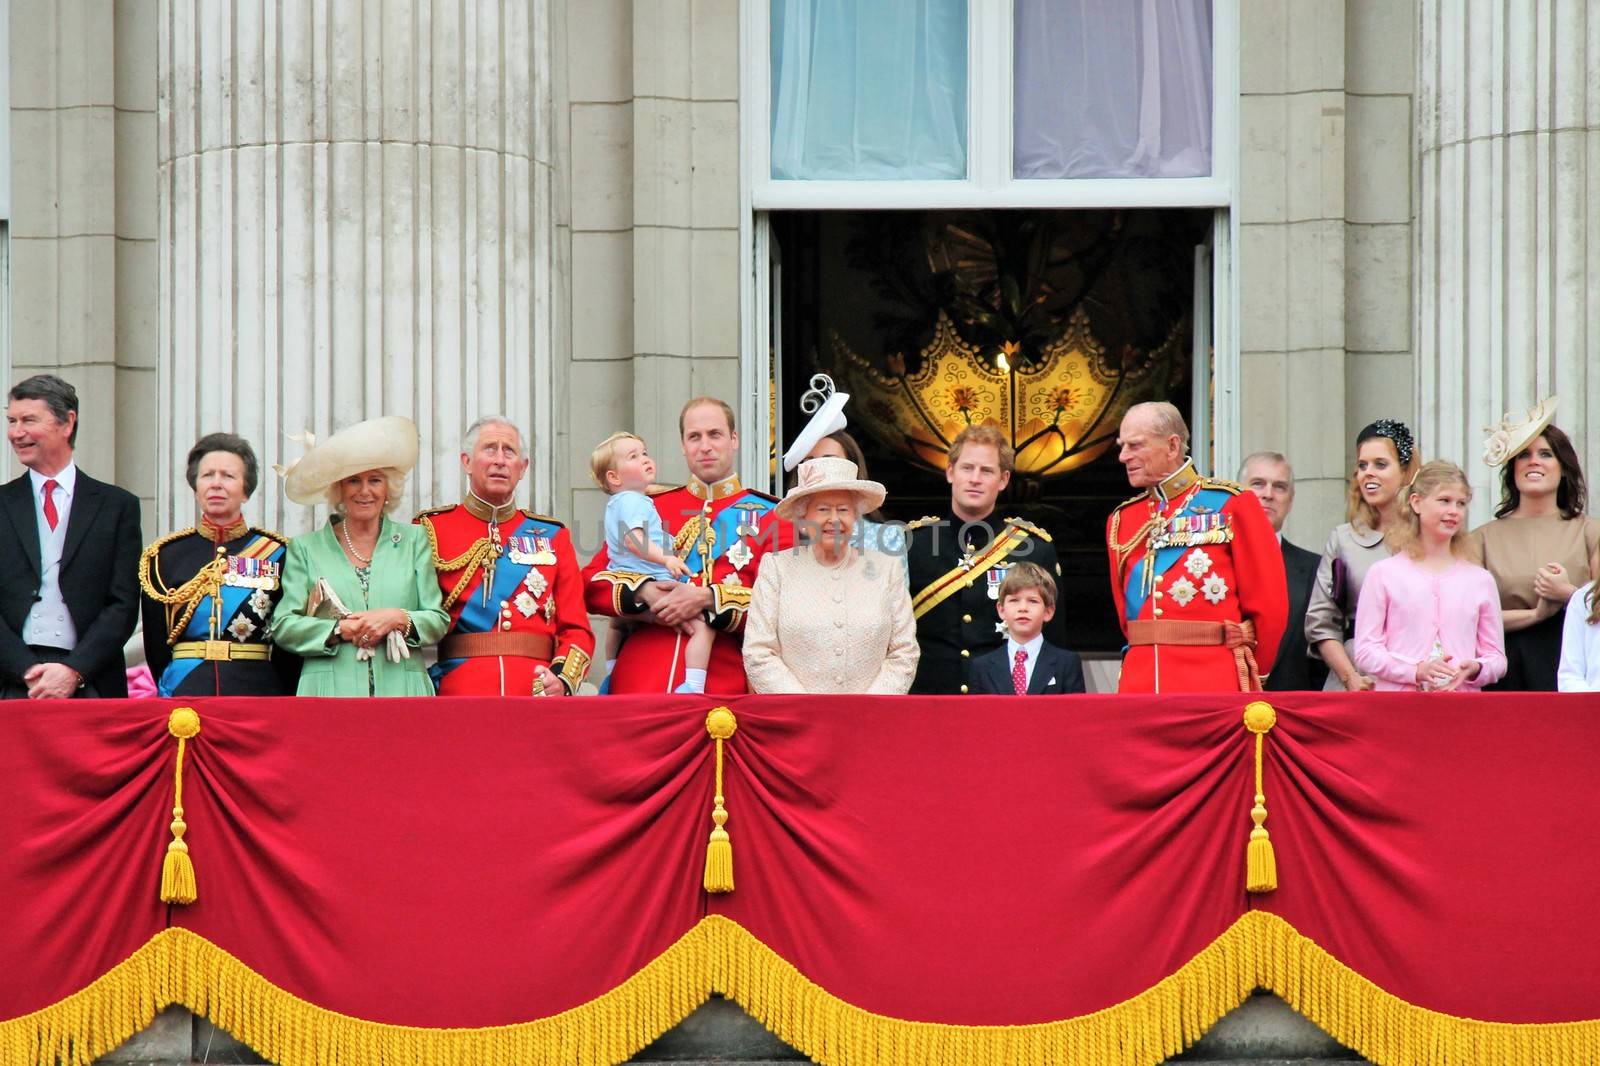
(479, 617)
(1203, 501)
(199, 627)
(749, 510)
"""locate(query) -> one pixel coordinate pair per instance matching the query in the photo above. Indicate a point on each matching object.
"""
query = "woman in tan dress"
(1540, 543)
(1386, 461)
(828, 615)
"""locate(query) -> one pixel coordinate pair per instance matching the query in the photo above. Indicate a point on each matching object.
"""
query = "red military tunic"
(741, 528)
(533, 614)
(1194, 549)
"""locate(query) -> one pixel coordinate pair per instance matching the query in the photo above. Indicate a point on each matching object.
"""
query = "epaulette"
(1132, 499)
(925, 520)
(657, 490)
(271, 533)
(1232, 488)
(764, 495)
(543, 518)
(429, 512)
(1023, 523)
(156, 546)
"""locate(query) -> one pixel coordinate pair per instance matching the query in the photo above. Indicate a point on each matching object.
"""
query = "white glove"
(396, 646)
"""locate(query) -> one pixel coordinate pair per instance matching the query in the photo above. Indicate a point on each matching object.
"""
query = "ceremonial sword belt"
(488, 645)
(221, 651)
(1238, 637)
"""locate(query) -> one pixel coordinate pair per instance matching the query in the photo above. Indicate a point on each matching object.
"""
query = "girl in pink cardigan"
(1427, 619)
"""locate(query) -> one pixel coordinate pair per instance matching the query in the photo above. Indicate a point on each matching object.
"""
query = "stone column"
(1508, 245)
(354, 218)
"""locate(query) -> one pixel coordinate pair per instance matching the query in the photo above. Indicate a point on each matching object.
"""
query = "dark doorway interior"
(933, 318)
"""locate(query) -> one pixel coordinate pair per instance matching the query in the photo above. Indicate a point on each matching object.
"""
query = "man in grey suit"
(1269, 476)
(69, 558)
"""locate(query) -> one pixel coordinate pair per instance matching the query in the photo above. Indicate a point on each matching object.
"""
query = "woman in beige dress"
(1386, 461)
(1539, 545)
(828, 615)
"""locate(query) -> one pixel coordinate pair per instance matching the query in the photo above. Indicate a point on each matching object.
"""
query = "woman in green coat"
(360, 594)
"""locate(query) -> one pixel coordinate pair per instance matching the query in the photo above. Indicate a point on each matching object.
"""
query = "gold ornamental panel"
(1060, 413)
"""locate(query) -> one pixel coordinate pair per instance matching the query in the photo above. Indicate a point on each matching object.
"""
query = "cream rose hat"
(1516, 431)
(829, 474)
(375, 444)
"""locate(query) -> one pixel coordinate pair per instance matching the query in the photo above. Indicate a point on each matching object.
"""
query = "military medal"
(996, 575)
(535, 583)
(520, 550)
(739, 555)
(251, 573)
(550, 610)
(544, 553)
(526, 604)
(750, 524)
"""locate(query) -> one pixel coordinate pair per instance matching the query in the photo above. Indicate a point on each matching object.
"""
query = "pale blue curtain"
(873, 89)
(1112, 89)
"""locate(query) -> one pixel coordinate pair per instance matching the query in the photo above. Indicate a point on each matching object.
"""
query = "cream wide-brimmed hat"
(1516, 431)
(829, 473)
(375, 444)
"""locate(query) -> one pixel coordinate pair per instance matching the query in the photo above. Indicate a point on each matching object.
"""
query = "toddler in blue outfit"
(637, 543)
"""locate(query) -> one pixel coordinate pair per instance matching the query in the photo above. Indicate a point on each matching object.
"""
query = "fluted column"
(1508, 256)
(354, 220)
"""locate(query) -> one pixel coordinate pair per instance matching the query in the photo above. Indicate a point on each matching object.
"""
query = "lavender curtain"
(1112, 89)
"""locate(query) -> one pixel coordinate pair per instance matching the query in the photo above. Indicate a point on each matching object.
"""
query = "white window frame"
(989, 184)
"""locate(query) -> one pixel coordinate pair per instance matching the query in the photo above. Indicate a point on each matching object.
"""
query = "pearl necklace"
(361, 560)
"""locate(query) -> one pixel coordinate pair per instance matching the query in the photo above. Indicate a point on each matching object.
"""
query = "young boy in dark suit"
(1027, 664)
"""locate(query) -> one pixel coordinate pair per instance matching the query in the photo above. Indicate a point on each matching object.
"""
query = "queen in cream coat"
(828, 616)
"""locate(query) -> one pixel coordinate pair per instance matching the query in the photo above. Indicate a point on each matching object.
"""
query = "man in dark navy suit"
(69, 558)
(1027, 664)
(1269, 476)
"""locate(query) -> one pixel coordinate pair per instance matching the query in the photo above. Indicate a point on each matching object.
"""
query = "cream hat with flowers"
(375, 444)
(829, 473)
(1516, 431)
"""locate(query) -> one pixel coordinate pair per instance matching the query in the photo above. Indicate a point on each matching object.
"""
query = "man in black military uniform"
(957, 562)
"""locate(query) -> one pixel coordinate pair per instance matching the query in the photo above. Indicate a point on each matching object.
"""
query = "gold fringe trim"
(718, 955)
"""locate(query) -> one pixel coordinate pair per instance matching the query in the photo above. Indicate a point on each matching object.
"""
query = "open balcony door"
(758, 457)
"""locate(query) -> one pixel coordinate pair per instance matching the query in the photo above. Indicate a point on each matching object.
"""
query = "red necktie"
(1019, 673)
(51, 516)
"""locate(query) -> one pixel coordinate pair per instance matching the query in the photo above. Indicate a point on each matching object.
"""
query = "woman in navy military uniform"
(208, 591)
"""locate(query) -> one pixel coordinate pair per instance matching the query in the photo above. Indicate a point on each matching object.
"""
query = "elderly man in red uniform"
(510, 581)
(1195, 568)
(723, 531)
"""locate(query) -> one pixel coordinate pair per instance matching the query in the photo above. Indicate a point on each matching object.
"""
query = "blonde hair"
(394, 478)
(984, 434)
(1357, 511)
(1406, 534)
(604, 457)
(1024, 576)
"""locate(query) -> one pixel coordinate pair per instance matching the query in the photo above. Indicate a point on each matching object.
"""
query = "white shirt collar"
(1032, 648)
(66, 480)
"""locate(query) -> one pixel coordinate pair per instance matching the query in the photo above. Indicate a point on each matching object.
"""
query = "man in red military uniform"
(723, 531)
(1196, 571)
(510, 582)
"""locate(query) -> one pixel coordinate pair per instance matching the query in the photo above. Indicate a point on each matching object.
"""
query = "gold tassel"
(1260, 864)
(177, 870)
(721, 724)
